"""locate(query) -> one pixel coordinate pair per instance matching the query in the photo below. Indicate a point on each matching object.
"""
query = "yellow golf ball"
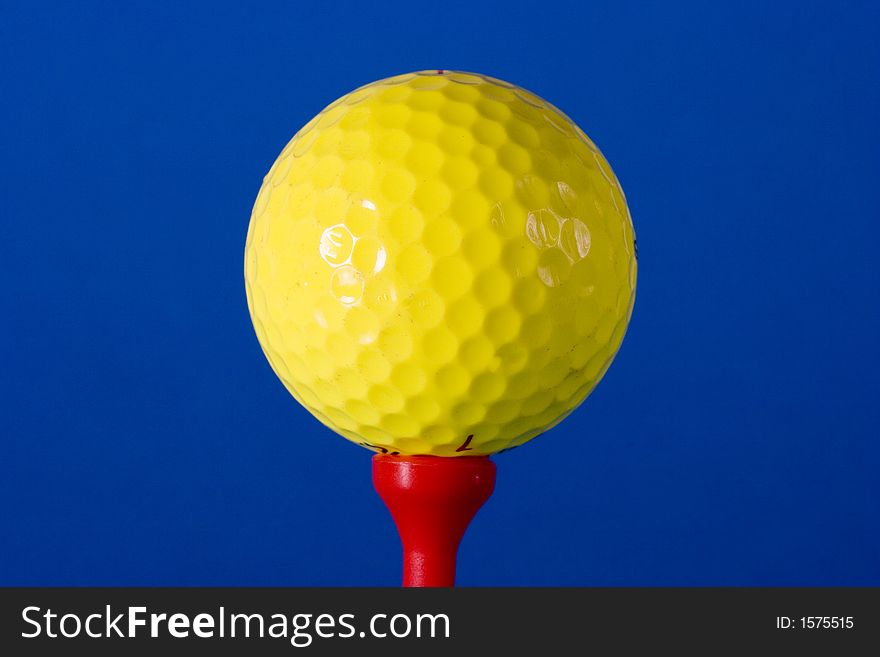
(440, 263)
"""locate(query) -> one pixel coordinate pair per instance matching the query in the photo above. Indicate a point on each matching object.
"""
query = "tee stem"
(432, 500)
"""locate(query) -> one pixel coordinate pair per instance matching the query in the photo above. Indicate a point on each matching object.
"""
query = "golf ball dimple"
(440, 263)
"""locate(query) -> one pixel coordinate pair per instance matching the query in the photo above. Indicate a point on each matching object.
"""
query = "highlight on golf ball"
(440, 263)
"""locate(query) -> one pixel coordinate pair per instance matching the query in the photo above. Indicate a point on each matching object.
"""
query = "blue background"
(146, 441)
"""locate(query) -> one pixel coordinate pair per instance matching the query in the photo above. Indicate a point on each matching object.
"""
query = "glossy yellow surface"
(440, 263)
